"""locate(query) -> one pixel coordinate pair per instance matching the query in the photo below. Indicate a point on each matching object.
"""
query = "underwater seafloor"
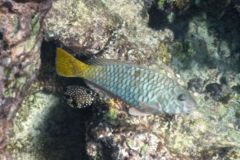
(199, 40)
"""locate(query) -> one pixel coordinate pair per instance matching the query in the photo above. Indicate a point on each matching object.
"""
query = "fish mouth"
(190, 105)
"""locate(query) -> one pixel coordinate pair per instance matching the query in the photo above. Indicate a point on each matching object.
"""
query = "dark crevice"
(157, 18)
(64, 129)
(1, 35)
(222, 21)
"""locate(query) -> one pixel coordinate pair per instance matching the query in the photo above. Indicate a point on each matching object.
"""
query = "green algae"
(112, 114)
(164, 54)
(161, 4)
(32, 40)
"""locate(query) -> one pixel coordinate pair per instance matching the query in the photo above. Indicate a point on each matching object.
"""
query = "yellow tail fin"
(69, 66)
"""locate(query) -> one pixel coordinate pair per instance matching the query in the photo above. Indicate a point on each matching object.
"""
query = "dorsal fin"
(161, 68)
(101, 61)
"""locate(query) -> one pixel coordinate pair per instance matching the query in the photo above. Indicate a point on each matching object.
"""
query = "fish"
(79, 97)
(145, 90)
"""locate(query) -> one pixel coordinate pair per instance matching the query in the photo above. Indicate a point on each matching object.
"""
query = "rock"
(236, 89)
(195, 84)
(198, 45)
(218, 92)
(19, 58)
(105, 27)
(46, 128)
(200, 49)
(83, 26)
(215, 91)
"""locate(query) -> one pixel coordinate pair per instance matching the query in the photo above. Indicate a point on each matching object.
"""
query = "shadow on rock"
(63, 133)
(206, 33)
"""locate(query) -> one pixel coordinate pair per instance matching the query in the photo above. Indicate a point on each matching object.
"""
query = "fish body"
(147, 90)
(79, 97)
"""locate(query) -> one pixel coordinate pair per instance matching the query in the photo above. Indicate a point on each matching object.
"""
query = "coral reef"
(206, 56)
(107, 29)
(47, 128)
(19, 58)
(197, 39)
(173, 4)
(82, 26)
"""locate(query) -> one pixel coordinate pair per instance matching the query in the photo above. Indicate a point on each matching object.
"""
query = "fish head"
(183, 102)
(177, 100)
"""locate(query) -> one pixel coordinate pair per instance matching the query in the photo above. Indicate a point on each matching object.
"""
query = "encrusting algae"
(146, 90)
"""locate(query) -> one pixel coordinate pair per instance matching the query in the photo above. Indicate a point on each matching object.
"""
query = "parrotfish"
(147, 91)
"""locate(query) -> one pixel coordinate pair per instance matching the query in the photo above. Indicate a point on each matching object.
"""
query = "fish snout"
(189, 105)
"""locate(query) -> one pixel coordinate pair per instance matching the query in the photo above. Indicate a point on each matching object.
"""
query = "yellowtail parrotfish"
(147, 91)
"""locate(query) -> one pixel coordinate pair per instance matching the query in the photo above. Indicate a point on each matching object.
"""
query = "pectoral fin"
(136, 112)
(149, 108)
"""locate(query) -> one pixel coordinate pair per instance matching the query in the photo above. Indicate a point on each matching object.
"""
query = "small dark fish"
(79, 97)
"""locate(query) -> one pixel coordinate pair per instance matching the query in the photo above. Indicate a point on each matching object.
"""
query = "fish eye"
(181, 97)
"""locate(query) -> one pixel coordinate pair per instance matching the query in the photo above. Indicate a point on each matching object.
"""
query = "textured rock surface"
(119, 30)
(81, 25)
(201, 46)
(46, 128)
(205, 49)
(20, 42)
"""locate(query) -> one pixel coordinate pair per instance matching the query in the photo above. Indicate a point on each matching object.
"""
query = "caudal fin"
(69, 66)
